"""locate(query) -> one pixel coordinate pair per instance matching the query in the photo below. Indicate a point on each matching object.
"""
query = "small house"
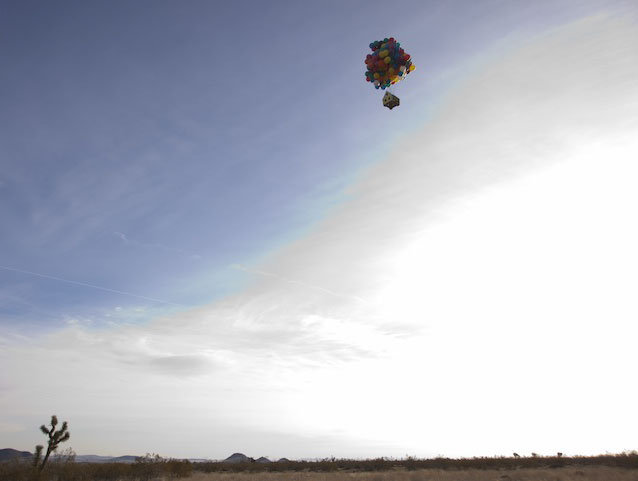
(390, 100)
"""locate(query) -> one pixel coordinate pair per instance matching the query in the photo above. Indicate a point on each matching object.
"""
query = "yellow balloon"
(387, 59)
(412, 67)
(383, 53)
(376, 75)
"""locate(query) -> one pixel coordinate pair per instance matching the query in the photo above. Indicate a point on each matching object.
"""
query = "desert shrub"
(146, 470)
(17, 470)
(627, 460)
(174, 468)
(153, 467)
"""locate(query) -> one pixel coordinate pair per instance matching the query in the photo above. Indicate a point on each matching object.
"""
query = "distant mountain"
(8, 454)
(238, 458)
(124, 459)
(92, 458)
(283, 460)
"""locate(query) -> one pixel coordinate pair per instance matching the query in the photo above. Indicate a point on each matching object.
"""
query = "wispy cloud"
(292, 281)
(182, 365)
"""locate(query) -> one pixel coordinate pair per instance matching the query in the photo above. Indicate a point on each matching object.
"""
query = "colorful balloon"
(388, 63)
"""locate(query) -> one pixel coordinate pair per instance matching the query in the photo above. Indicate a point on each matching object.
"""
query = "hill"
(238, 458)
(8, 454)
(92, 458)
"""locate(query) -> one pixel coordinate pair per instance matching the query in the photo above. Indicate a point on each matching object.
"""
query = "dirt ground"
(586, 473)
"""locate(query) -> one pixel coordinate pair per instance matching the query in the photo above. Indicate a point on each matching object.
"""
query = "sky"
(215, 239)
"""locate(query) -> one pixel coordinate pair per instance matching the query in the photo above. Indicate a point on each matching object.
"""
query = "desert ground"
(585, 473)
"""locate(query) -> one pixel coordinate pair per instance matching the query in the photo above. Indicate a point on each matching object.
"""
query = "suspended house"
(390, 100)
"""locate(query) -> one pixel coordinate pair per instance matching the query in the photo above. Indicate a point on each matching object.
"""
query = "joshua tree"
(516, 455)
(55, 438)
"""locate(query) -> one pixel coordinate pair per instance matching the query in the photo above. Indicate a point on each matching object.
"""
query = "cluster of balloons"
(388, 63)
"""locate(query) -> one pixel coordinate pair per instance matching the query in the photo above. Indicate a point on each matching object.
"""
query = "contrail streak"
(299, 283)
(127, 240)
(84, 284)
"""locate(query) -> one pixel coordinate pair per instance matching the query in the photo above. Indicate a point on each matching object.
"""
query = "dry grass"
(585, 473)
(620, 467)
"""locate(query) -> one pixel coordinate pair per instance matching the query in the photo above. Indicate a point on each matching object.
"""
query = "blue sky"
(149, 147)
(209, 195)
